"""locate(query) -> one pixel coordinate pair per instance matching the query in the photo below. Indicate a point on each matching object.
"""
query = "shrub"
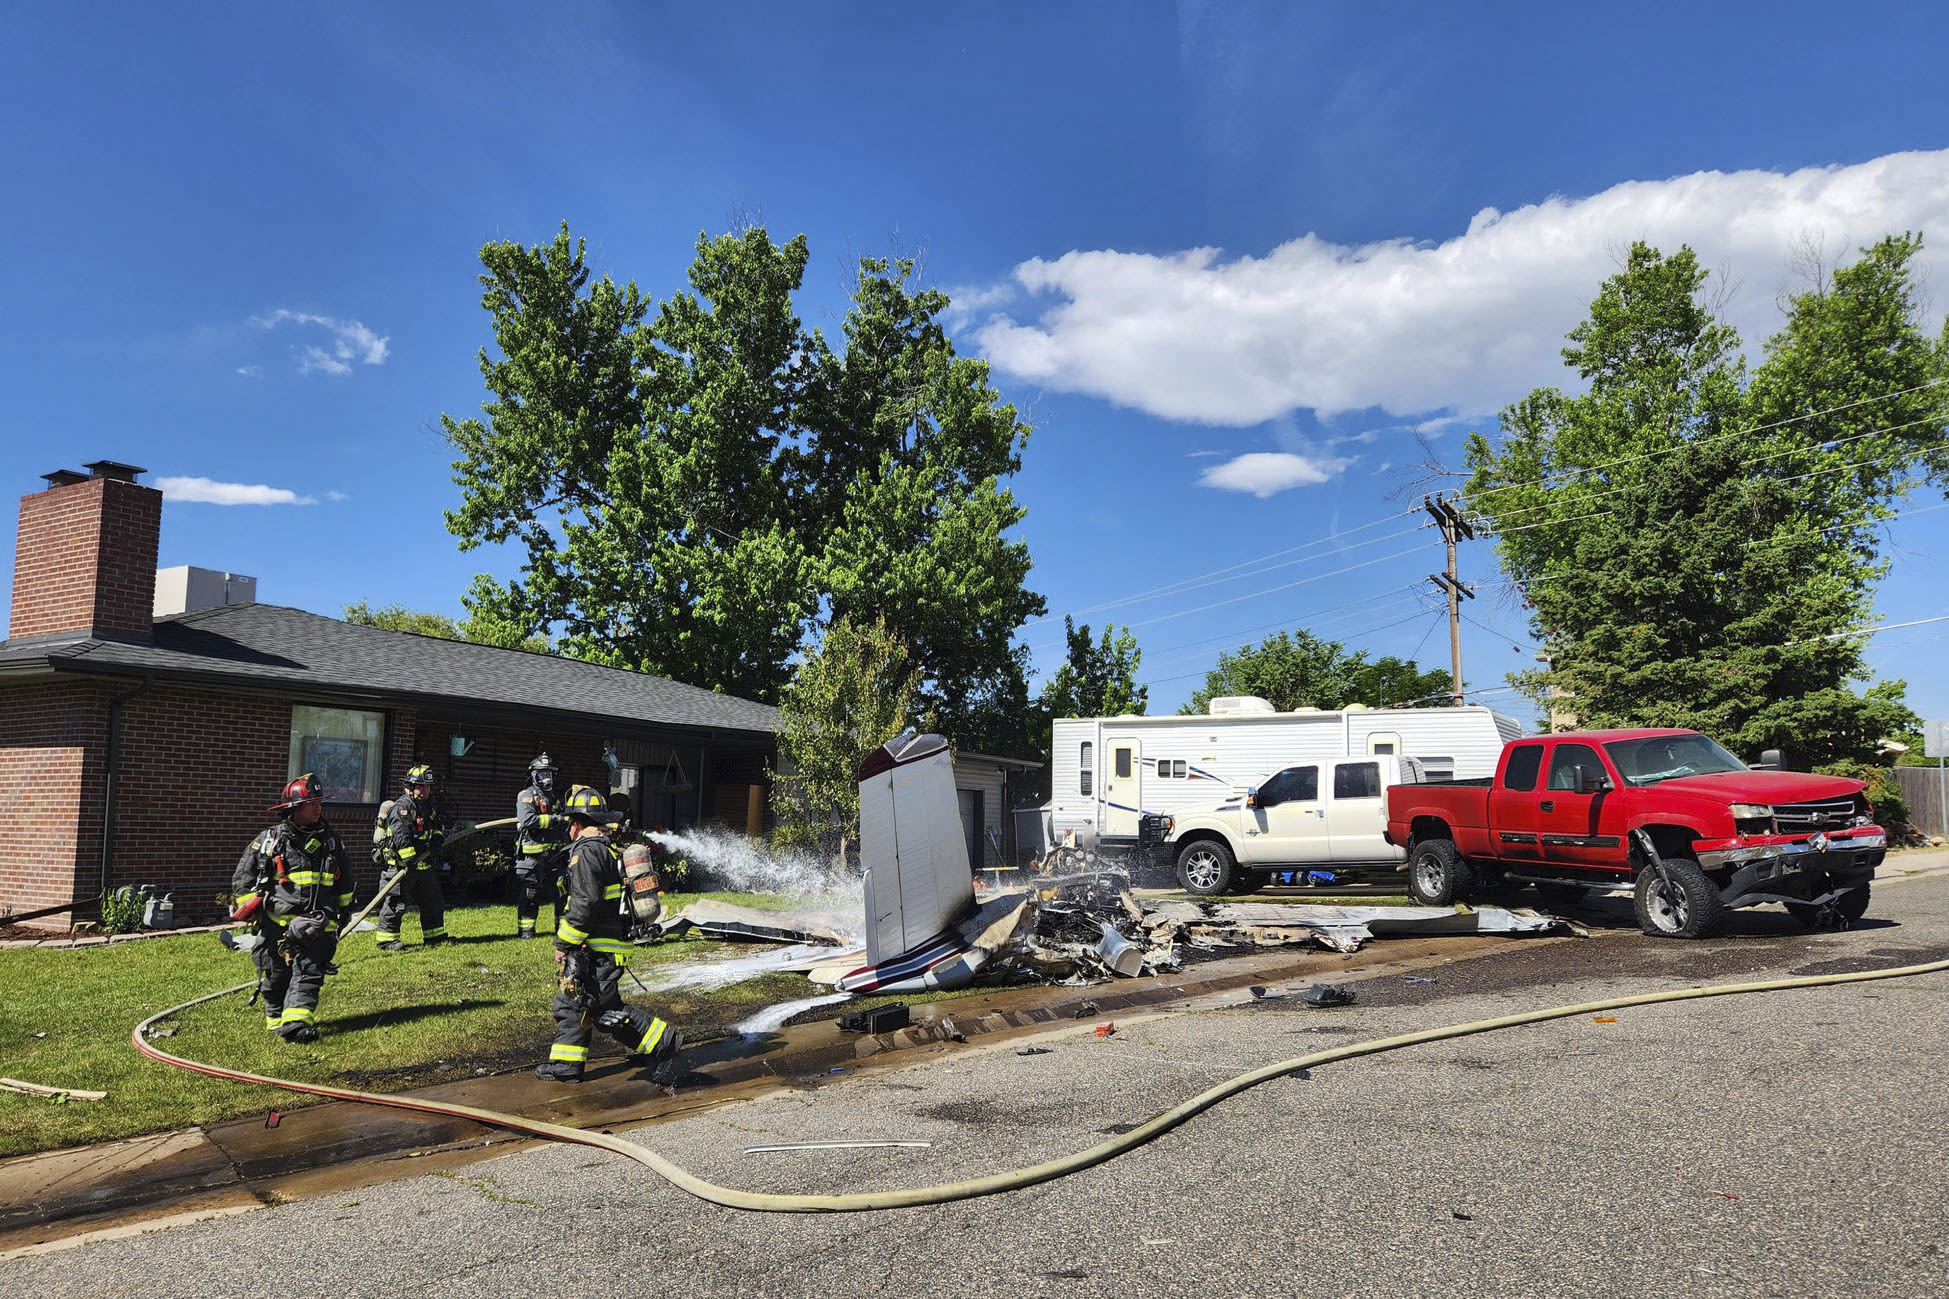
(122, 910)
(1884, 791)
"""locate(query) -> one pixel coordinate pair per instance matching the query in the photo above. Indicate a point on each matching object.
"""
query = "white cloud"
(250, 371)
(351, 341)
(210, 492)
(1465, 326)
(1266, 473)
(337, 496)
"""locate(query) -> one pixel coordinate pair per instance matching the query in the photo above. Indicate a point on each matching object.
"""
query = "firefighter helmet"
(419, 775)
(541, 772)
(300, 789)
(586, 804)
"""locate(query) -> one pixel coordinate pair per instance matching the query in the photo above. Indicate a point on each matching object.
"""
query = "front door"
(1286, 826)
(1123, 788)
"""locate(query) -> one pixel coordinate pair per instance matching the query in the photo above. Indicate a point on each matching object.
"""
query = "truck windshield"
(1662, 757)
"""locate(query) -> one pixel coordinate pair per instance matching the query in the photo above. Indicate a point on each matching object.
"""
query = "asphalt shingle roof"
(269, 645)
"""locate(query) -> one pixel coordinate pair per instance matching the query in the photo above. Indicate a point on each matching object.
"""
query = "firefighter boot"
(298, 1032)
(559, 1071)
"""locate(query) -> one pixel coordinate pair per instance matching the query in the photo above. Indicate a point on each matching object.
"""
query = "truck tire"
(1438, 875)
(1690, 908)
(1205, 867)
(1850, 906)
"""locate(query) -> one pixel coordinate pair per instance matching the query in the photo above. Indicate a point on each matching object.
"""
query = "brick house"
(140, 744)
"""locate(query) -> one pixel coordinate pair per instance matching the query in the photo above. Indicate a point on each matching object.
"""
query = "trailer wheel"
(1437, 874)
(1689, 907)
(1850, 906)
(1205, 867)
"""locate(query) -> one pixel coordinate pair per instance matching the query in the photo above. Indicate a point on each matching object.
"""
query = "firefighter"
(592, 949)
(293, 883)
(540, 847)
(410, 845)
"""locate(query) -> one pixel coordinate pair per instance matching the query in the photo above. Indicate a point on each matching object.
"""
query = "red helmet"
(302, 789)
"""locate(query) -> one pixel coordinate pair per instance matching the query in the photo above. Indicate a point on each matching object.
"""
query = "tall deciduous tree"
(697, 492)
(1697, 549)
(397, 617)
(906, 448)
(1299, 670)
(853, 694)
(1098, 678)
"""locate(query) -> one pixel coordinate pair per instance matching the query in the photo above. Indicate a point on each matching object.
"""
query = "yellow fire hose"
(995, 1183)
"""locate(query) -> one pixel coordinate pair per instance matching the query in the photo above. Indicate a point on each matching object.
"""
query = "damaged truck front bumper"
(1761, 865)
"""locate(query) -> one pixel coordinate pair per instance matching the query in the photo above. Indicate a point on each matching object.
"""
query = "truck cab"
(1325, 813)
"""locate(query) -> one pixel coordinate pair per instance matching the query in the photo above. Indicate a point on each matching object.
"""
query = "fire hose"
(1014, 1179)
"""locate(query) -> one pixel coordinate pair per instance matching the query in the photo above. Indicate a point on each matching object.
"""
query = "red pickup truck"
(1669, 812)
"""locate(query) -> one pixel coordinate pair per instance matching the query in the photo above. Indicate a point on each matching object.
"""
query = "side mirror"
(1771, 760)
(1592, 782)
(1251, 795)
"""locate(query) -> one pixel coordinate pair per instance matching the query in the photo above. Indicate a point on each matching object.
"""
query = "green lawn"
(388, 1022)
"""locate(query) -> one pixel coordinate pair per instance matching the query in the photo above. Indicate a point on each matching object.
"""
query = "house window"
(343, 747)
(1086, 772)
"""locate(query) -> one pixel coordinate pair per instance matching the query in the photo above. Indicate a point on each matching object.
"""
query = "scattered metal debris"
(1416, 978)
(1037, 1050)
(1325, 994)
(880, 1019)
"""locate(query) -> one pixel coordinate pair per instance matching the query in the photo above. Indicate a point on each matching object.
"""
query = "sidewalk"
(240, 1165)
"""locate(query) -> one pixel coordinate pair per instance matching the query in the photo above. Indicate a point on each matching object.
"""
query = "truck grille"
(1805, 818)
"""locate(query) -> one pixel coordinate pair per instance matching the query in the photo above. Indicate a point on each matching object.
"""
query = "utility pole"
(1452, 524)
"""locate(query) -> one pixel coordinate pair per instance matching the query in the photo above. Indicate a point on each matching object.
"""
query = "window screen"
(1085, 782)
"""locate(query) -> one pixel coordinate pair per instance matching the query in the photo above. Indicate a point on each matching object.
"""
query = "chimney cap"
(64, 477)
(113, 469)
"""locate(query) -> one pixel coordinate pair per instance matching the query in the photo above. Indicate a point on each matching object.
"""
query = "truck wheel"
(1205, 867)
(1850, 906)
(1689, 908)
(1437, 874)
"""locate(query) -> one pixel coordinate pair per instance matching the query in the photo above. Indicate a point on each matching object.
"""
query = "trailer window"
(1170, 768)
(1084, 770)
(1525, 760)
(1357, 780)
(1123, 764)
(1434, 767)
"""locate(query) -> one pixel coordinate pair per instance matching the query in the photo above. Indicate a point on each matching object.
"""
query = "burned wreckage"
(925, 929)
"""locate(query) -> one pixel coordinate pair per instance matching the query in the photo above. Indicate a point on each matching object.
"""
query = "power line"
(1758, 428)
(1230, 572)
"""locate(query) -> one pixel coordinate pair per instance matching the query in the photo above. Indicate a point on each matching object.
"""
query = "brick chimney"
(85, 556)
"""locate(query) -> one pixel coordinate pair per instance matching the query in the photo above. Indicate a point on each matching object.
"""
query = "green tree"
(1299, 670)
(1098, 678)
(905, 451)
(633, 460)
(698, 492)
(851, 695)
(1697, 548)
(397, 617)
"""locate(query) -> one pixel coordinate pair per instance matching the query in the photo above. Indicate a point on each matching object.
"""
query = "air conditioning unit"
(1238, 705)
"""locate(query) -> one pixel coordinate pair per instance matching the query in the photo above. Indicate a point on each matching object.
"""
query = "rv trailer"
(1107, 773)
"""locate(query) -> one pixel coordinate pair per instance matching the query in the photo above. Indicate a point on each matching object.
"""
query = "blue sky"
(1228, 258)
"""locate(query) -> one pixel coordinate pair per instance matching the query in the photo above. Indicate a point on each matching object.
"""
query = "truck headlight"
(1752, 812)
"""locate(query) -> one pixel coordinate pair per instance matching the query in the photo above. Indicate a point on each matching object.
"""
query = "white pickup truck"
(1328, 814)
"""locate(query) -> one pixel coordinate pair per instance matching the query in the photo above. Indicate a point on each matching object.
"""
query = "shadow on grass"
(407, 1014)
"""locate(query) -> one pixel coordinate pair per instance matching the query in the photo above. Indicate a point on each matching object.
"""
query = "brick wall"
(85, 560)
(47, 736)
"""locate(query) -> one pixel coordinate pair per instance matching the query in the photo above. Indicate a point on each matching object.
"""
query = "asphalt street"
(1786, 1143)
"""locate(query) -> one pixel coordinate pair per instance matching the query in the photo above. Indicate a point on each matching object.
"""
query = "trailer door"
(1123, 788)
